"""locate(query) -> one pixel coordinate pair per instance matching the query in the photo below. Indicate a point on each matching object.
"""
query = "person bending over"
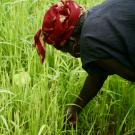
(103, 37)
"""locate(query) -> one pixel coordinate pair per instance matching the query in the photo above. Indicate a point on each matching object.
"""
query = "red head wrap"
(58, 25)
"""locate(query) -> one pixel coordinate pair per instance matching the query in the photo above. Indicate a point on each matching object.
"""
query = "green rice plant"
(33, 97)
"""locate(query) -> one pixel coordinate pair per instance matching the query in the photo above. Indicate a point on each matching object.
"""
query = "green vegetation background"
(33, 97)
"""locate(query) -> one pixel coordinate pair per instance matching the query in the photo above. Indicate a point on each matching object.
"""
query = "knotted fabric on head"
(58, 25)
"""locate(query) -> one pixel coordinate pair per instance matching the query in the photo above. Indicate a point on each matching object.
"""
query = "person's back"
(109, 32)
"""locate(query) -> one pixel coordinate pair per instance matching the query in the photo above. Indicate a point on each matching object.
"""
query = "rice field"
(33, 97)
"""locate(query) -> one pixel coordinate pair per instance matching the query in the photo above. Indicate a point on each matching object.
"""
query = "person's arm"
(92, 85)
(94, 82)
(115, 67)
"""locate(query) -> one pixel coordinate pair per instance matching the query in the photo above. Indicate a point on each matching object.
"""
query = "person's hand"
(70, 118)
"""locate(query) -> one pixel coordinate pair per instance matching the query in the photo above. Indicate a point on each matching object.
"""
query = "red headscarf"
(58, 25)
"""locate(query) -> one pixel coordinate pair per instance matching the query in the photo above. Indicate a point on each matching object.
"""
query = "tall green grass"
(33, 97)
